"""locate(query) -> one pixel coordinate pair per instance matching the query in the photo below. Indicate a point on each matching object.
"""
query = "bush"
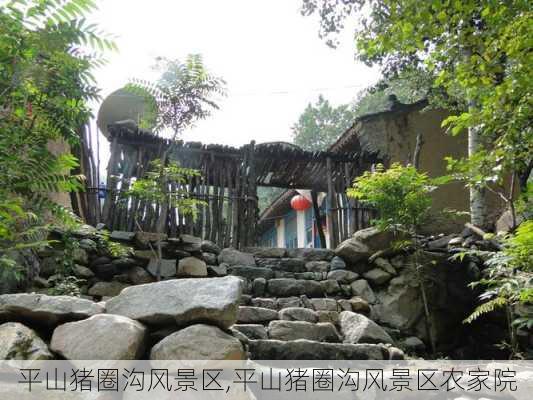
(399, 194)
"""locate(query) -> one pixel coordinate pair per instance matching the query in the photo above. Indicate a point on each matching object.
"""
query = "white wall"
(280, 227)
(300, 230)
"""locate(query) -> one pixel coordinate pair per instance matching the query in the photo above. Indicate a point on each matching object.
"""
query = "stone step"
(313, 350)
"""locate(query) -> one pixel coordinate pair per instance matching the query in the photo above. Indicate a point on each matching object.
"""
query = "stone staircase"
(304, 304)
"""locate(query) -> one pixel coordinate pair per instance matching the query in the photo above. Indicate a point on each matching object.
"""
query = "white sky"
(271, 57)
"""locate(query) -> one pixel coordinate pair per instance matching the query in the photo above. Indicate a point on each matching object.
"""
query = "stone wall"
(261, 303)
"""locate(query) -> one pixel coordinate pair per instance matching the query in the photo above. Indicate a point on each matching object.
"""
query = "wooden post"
(253, 209)
(318, 219)
(332, 227)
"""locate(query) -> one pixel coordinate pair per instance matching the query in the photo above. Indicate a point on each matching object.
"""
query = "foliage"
(150, 189)
(400, 195)
(66, 286)
(182, 95)
(266, 196)
(45, 85)
(478, 51)
(114, 249)
(508, 281)
(321, 124)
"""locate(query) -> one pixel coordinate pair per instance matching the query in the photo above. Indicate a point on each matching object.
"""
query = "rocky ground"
(361, 301)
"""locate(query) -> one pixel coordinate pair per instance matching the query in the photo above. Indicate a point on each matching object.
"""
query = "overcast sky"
(271, 57)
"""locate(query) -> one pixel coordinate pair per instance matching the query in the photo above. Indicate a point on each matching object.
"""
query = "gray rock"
(267, 252)
(101, 337)
(362, 289)
(385, 265)
(337, 263)
(104, 271)
(328, 316)
(252, 331)
(198, 342)
(124, 263)
(251, 273)
(139, 276)
(363, 244)
(210, 247)
(80, 256)
(181, 301)
(282, 264)
(235, 257)
(312, 350)
(46, 310)
(311, 254)
(168, 267)
(264, 302)
(210, 258)
(18, 342)
(122, 236)
(293, 330)
(397, 261)
(259, 287)
(190, 239)
(294, 287)
(217, 270)
(440, 243)
(192, 267)
(344, 305)
(143, 240)
(317, 266)
(107, 289)
(352, 251)
(254, 315)
(343, 276)
(82, 272)
(88, 245)
(48, 267)
(413, 344)
(377, 276)
(298, 314)
(330, 287)
(324, 304)
(286, 302)
(359, 305)
(356, 328)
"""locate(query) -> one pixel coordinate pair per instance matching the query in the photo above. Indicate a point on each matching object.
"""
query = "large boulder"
(293, 330)
(101, 337)
(181, 301)
(284, 287)
(356, 328)
(209, 247)
(18, 342)
(363, 244)
(254, 315)
(235, 257)
(312, 350)
(46, 310)
(192, 267)
(198, 342)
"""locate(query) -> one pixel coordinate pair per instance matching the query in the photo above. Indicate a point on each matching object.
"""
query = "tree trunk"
(478, 197)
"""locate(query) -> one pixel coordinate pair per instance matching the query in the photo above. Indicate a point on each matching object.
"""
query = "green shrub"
(401, 195)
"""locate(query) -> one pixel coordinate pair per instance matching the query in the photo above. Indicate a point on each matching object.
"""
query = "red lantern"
(300, 203)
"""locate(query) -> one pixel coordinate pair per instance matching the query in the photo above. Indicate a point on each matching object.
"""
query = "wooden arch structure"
(228, 183)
